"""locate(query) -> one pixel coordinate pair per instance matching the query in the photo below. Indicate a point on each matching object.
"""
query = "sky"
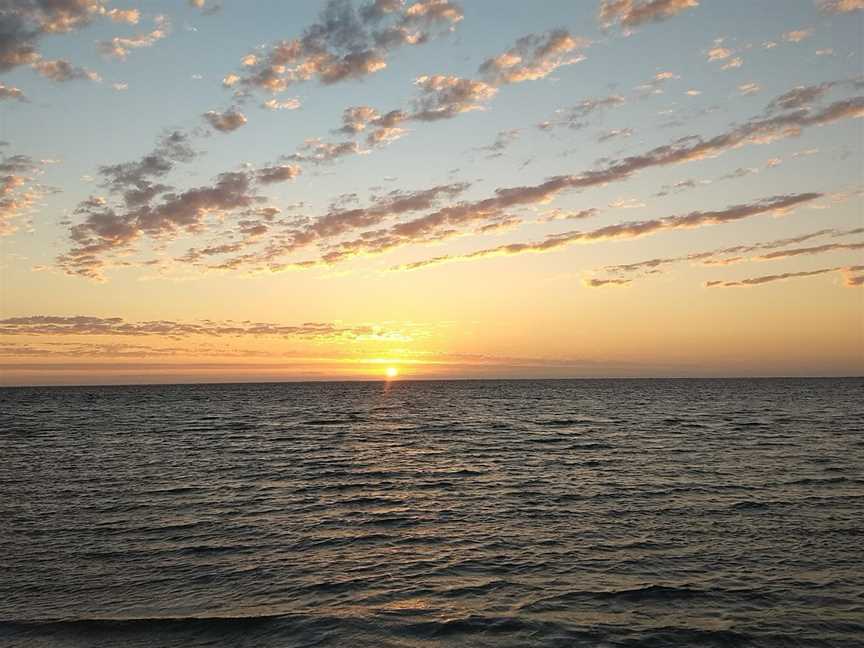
(195, 191)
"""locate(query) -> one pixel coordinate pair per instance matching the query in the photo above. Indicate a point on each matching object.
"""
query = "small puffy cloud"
(18, 193)
(11, 92)
(120, 87)
(533, 57)
(61, 70)
(280, 173)
(655, 85)
(558, 214)
(749, 88)
(628, 14)
(129, 16)
(840, 6)
(719, 53)
(797, 35)
(443, 97)
(275, 104)
(119, 47)
(225, 122)
(626, 203)
(317, 151)
(733, 63)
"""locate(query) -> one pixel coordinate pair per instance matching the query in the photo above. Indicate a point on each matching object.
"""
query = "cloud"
(355, 119)
(82, 325)
(681, 185)
(24, 22)
(599, 283)
(502, 141)
(134, 180)
(614, 133)
(437, 225)
(816, 249)
(281, 173)
(749, 88)
(848, 271)
(634, 229)
(634, 13)
(129, 16)
(275, 104)
(107, 230)
(225, 122)
(797, 35)
(723, 256)
(655, 85)
(533, 57)
(61, 70)
(119, 47)
(800, 97)
(840, 6)
(558, 214)
(346, 44)
(11, 92)
(17, 193)
(574, 117)
(444, 97)
(446, 221)
(318, 152)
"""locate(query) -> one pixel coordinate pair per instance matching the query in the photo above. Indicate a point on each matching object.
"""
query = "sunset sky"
(290, 190)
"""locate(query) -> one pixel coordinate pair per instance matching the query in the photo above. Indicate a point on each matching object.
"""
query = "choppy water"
(512, 513)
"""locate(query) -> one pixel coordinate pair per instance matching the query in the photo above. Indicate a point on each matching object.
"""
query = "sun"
(391, 372)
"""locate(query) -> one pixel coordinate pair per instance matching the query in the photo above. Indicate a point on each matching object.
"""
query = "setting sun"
(392, 372)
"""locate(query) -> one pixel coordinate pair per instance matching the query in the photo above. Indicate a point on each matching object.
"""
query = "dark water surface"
(488, 513)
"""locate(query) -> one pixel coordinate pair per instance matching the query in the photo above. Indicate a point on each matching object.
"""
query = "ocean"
(474, 513)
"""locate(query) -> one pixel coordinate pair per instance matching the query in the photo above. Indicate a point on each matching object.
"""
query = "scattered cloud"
(797, 35)
(533, 57)
(61, 70)
(443, 97)
(225, 122)
(502, 141)
(17, 190)
(346, 43)
(575, 116)
(599, 283)
(275, 104)
(749, 88)
(119, 47)
(628, 14)
(11, 92)
(852, 279)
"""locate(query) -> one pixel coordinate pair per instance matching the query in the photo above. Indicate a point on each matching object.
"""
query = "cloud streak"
(852, 279)
(633, 229)
(51, 326)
